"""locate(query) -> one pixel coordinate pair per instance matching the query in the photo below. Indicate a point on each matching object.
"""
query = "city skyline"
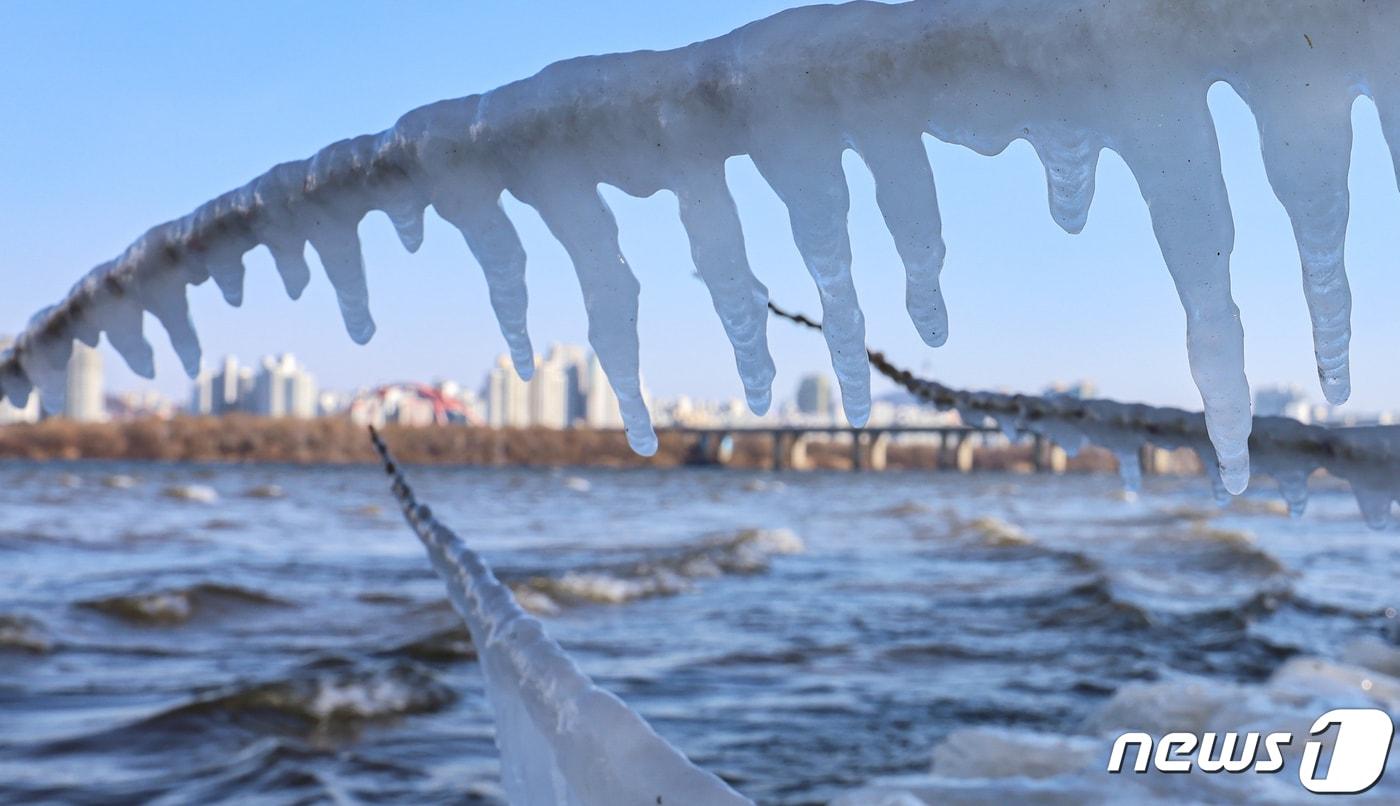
(568, 390)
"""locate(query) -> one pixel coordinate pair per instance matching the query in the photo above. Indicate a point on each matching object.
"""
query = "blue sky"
(119, 116)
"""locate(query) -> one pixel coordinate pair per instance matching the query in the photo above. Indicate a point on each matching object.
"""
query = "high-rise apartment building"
(283, 388)
(601, 403)
(567, 389)
(814, 396)
(84, 400)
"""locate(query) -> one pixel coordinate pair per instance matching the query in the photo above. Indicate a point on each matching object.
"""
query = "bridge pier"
(1048, 457)
(711, 448)
(963, 455)
(869, 448)
(790, 450)
(1154, 461)
(879, 450)
(797, 454)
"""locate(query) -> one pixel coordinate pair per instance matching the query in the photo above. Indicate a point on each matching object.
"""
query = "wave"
(266, 491)
(763, 486)
(1224, 550)
(338, 691)
(783, 656)
(119, 481)
(327, 701)
(995, 532)
(23, 633)
(904, 509)
(178, 605)
(992, 764)
(749, 551)
(446, 645)
(195, 493)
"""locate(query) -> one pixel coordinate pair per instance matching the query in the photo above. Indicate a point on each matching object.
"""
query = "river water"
(181, 634)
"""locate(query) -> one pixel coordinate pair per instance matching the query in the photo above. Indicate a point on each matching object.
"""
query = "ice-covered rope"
(563, 740)
(1368, 457)
(794, 92)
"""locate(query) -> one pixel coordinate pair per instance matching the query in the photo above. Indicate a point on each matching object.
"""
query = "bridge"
(869, 446)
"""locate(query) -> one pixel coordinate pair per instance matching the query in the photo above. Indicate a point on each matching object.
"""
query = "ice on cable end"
(562, 739)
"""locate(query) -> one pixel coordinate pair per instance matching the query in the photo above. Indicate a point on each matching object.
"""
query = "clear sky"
(119, 116)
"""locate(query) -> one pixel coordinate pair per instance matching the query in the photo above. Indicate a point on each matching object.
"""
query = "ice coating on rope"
(1368, 458)
(793, 92)
(562, 739)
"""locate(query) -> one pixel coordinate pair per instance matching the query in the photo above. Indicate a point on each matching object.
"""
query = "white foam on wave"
(991, 765)
(197, 493)
(749, 551)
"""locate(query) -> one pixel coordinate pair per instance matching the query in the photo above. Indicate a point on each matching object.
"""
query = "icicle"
(1293, 489)
(14, 383)
(15, 387)
(1185, 193)
(1071, 162)
(339, 250)
(717, 247)
(228, 271)
(809, 181)
(407, 219)
(220, 236)
(290, 259)
(45, 362)
(904, 189)
(1305, 136)
(123, 319)
(1129, 469)
(1386, 95)
(582, 222)
(1010, 426)
(1374, 501)
(278, 194)
(496, 246)
(163, 294)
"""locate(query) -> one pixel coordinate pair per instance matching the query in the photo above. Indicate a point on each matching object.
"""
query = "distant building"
(567, 389)
(600, 402)
(407, 404)
(1286, 401)
(221, 391)
(549, 395)
(84, 400)
(814, 396)
(282, 388)
(470, 402)
(573, 361)
(507, 397)
(332, 404)
(148, 404)
(1079, 390)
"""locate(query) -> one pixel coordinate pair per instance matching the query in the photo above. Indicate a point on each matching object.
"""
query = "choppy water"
(175, 634)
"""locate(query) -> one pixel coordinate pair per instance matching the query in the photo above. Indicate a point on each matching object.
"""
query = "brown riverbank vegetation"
(338, 441)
